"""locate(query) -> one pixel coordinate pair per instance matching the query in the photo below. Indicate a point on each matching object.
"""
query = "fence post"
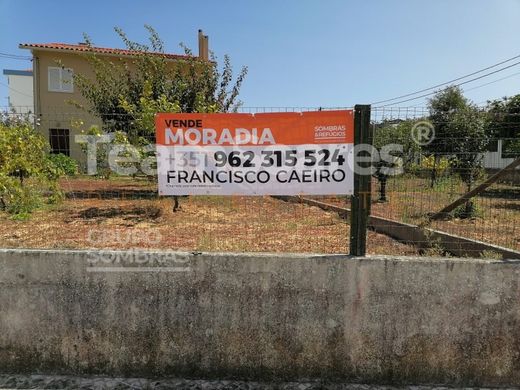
(361, 199)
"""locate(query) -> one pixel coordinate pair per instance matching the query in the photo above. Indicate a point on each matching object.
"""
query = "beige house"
(54, 65)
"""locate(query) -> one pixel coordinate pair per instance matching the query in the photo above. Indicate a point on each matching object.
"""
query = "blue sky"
(299, 52)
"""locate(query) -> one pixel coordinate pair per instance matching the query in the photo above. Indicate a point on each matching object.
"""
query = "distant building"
(20, 85)
(496, 157)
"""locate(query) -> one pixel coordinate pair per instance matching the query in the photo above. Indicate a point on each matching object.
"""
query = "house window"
(59, 140)
(60, 79)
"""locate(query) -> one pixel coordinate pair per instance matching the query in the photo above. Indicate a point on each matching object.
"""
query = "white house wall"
(20, 91)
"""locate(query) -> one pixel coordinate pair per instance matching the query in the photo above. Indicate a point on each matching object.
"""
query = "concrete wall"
(400, 320)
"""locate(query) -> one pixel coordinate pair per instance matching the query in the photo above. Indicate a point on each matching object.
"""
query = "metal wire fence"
(111, 211)
(431, 178)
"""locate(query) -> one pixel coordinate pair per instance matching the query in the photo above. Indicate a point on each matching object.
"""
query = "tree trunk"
(382, 189)
(469, 207)
(434, 172)
(175, 203)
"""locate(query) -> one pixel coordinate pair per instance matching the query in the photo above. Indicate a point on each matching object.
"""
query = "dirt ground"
(411, 199)
(125, 214)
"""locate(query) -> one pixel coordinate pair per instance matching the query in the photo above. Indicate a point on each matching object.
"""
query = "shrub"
(428, 162)
(27, 177)
(68, 165)
(490, 254)
(467, 210)
(104, 141)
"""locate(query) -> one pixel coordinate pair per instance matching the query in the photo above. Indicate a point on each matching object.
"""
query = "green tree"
(393, 160)
(468, 149)
(460, 136)
(503, 121)
(472, 140)
(443, 106)
(28, 177)
(126, 95)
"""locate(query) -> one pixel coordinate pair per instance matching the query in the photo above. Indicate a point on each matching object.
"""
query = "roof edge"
(15, 72)
(104, 51)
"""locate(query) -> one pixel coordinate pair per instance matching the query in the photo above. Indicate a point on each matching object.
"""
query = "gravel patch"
(99, 383)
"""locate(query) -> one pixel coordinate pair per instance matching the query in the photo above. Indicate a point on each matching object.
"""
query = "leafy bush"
(18, 199)
(428, 162)
(468, 210)
(490, 254)
(104, 144)
(447, 183)
(68, 165)
(390, 135)
(27, 177)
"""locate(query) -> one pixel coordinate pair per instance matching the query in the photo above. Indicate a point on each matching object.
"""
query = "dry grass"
(117, 213)
(102, 214)
(411, 199)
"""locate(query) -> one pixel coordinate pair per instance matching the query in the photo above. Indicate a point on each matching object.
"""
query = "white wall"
(494, 159)
(20, 92)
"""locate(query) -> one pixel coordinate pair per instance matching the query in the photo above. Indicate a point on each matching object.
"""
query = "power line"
(448, 82)
(14, 56)
(12, 89)
(456, 85)
(492, 82)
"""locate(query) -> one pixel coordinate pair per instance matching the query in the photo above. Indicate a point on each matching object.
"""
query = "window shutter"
(54, 79)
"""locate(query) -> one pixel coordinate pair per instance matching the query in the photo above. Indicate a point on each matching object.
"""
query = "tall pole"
(362, 197)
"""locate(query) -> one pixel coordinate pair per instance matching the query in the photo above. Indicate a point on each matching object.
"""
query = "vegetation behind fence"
(109, 210)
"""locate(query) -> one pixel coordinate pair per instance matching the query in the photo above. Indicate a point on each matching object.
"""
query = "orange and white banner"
(255, 154)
